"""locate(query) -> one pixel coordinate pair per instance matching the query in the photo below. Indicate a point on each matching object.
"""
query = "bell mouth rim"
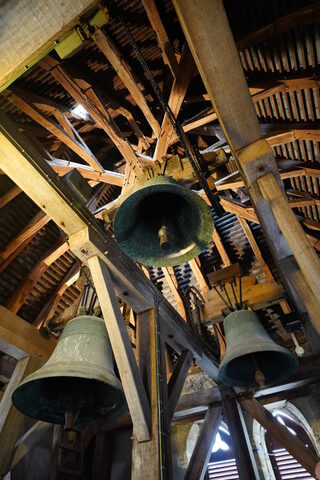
(285, 372)
(204, 234)
(83, 419)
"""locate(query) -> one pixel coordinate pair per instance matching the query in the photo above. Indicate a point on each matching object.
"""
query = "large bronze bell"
(77, 385)
(163, 223)
(252, 358)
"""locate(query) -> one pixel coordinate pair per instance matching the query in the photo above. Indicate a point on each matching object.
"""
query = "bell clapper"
(163, 235)
(70, 418)
(258, 376)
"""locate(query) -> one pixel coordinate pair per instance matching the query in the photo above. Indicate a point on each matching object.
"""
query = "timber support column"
(151, 460)
(210, 39)
(242, 448)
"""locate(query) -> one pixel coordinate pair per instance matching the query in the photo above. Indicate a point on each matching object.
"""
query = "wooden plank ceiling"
(279, 46)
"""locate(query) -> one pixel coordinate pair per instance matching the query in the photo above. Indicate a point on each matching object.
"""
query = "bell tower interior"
(160, 239)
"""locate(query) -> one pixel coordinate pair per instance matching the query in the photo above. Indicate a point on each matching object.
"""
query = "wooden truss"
(153, 401)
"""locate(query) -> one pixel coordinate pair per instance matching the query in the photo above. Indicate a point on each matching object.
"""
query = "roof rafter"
(121, 66)
(19, 295)
(69, 137)
(167, 52)
(178, 91)
(83, 93)
(303, 16)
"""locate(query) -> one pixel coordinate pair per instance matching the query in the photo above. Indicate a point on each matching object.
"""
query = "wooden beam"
(37, 222)
(203, 284)
(264, 266)
(260, 295)
(270, 87)
(19, 295)
(298, 169)
(83, 93)
(176, 382)
(306, 15)
(74, 142)
(131, 381)
(292, 135)
(202, 450)
(105, 176)
(305, 255)
(221, 248)
(255, 248)
(305, 456)
(19, 338)
(11, 421)
(235, 207)
(174, 287)
(161, 35)
(196, 403)
(275, 134)
(241, 446)
(51, 304)
(10, 195)
(147, 456)
(23, 163)
(206, 27)
(177, 94)
(121, 66)
(248, 214)
(192, 125)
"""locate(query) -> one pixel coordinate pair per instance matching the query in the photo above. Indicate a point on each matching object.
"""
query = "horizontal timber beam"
(105, 176)
(298, 169)
(23, 163)
(196, 403)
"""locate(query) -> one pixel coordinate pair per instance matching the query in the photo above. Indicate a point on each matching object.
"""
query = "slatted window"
(223, 470)
(286, 467)
(222, 464)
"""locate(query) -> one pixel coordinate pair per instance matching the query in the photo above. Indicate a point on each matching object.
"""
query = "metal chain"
(193, 156)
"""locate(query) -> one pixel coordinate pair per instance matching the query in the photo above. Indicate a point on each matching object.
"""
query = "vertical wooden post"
(131, 381)
(177, 380)
(202, 450)
(11, 421)
(148, 457)
(242, 449)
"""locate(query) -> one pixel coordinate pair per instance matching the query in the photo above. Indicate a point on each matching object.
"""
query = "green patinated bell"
(252, 358)
(163, 223)
(77, 385)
